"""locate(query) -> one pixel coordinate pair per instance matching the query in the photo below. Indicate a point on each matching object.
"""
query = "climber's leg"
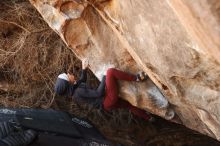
(112, 86)
(122, 104)
(113, 73)
(140, 113)
(112, 100)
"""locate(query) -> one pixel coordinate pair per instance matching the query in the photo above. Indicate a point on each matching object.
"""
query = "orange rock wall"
(173, 41)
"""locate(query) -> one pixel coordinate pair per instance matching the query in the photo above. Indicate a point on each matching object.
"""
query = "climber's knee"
(110, 71)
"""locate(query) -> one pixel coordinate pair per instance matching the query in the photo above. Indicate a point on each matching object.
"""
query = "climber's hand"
(85, 63)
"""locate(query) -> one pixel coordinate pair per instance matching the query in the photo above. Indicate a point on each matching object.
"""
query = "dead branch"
(14, 23)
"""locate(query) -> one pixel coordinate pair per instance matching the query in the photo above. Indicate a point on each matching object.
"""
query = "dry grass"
(31, 56)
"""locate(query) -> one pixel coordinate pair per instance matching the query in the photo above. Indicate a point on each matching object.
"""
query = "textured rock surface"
(173, 41)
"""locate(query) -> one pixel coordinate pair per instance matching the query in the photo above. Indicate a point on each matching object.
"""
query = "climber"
(67, 85)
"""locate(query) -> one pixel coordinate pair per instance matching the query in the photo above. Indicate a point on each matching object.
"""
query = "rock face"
(176, 42)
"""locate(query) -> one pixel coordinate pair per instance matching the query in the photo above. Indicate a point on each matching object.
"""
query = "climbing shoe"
(141, 76)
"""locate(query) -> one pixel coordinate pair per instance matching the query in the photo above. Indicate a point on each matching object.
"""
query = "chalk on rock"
(101, 71)
(157, 97)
